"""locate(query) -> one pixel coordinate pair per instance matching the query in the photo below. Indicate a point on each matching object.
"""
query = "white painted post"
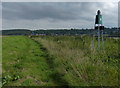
(102, 41)
(98, 37)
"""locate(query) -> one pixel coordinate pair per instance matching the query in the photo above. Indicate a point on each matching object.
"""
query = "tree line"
(107, 31)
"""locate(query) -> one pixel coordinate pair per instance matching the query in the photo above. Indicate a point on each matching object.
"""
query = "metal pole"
(93, 40)
(102, 41)
(98, 38)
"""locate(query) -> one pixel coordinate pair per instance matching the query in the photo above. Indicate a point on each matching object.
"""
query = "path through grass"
(58, 61)
(25, 63)
(78, 64)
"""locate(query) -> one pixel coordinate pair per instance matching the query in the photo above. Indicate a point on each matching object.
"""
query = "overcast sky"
(45, 15)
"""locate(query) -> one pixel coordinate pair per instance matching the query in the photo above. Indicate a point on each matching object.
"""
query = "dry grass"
(75, 59)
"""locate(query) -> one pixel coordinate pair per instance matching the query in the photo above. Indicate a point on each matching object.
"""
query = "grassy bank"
(79, 64)
(59, 61)
(1, 60)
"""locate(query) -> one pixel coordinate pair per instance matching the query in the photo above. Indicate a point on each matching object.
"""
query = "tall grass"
(59, 61)
(79, 64)
(0, 61)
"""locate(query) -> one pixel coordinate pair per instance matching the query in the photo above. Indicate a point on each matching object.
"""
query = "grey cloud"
(35, 11)
(119, 14)
(55, 12)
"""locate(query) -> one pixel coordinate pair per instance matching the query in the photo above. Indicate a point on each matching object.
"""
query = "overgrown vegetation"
(59, 61)
(79, 64)
(0, 60)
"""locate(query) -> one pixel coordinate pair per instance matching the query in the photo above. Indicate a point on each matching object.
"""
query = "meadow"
(0, 60)
(24, 63)
(59, 61)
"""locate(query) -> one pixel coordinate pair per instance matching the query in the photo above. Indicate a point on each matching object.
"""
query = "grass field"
(59, 60)
(24, 63)
(0, 60)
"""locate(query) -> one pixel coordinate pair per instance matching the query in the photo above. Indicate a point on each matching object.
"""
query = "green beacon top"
(98, 19)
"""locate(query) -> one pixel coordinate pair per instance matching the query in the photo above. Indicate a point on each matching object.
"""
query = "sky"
(57, 15)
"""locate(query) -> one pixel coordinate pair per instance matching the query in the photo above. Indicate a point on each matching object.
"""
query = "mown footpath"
(26, 63)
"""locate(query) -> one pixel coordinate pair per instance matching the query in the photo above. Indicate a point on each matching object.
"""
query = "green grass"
(79, 64)
(0, 60)
(59, 60)
(24, 63)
